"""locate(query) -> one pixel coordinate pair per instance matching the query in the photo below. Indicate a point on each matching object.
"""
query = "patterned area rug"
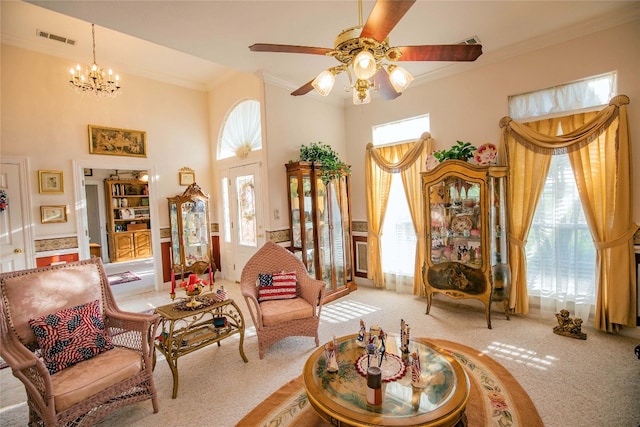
(119, 278)
(496, 398)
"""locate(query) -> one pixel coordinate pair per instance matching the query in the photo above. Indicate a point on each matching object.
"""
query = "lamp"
(399, 78)
(364, 65)
(94, 79)
(324, 82)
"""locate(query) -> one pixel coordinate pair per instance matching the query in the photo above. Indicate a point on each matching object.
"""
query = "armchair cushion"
(274, 312)
(276, 286)
(71, 335)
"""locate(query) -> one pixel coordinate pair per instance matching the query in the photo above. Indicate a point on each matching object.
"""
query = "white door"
(14, 248)
(247, 225)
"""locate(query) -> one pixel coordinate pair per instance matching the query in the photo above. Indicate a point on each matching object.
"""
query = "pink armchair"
(277, 319)
(84, 392)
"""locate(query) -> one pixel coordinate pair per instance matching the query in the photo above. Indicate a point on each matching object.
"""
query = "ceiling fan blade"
(384, 16)
(303, 90)
(441, 52)
(286, 48)
(385, 89)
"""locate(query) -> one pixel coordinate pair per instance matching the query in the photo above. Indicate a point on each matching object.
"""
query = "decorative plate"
(431, 162)
(486, 154)
(461, 223)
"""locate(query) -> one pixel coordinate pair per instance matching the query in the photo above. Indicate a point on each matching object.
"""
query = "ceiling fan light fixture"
(324, 82)
(399, 78)
(361, 98)
(364, 65)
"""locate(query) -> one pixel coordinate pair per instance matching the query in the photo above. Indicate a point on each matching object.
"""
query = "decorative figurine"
(404, 337)
(371, 349)
(415, 369)
(331, 355)
(361, 334)
(382, 347)
(569, 327)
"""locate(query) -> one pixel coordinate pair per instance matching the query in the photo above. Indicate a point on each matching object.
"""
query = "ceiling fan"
(363, 50)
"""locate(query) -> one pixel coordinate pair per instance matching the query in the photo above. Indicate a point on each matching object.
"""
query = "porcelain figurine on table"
(362, 334)
(331, 355)
(415, 369)
(382, 347)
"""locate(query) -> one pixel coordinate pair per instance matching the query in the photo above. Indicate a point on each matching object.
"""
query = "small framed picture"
(88, 172)
(187, 177)
(51, 182)
(51, 214)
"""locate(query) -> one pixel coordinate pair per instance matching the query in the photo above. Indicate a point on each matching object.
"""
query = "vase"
(193, 294)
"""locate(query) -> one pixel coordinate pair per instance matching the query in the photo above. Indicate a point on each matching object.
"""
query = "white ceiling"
(196, 43)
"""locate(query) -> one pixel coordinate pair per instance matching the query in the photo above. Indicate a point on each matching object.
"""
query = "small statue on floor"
(569, 327)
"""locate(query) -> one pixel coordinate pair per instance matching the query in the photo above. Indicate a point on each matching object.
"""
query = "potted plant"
(461, 151)
(322, 154)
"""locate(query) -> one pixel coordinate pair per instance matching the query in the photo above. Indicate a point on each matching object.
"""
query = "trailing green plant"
(330, 164)
(460, 151)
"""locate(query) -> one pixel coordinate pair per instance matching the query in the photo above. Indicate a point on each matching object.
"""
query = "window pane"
(247, 227)
(398, 233)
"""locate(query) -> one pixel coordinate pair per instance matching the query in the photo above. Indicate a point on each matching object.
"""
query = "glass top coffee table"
(340, 398)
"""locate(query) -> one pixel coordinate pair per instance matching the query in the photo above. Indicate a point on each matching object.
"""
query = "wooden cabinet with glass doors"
(320, 226)
(466, 232)
(191, 247)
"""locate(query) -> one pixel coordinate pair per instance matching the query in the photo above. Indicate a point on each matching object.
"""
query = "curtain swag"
(404, 163)
(569, 142)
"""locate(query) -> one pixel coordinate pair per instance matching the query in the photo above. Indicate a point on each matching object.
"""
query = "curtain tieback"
(615, 242)
(513, 239)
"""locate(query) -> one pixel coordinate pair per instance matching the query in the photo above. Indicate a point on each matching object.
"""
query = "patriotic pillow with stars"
(276, 286)
(71, 335)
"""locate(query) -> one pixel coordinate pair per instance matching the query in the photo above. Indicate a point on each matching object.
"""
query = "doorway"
(91, 211)
(243, 220)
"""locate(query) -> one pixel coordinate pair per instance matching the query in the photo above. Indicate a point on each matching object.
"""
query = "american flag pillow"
(71, 335)
(276, 286)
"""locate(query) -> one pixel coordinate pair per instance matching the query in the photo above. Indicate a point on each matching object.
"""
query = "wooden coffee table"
(340, 398)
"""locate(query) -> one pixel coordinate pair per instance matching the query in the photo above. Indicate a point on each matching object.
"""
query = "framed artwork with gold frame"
(187, 176)
(51, 214)
(117, 142)
(50, 182)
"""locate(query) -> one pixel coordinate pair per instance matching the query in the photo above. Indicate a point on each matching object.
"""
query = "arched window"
(241, 131)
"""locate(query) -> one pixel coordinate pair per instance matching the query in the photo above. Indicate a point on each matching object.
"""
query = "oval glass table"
(340, 397)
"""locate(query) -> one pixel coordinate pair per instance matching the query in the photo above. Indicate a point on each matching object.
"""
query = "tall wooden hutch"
(128, 219)
(191, 247)
(465, 214)
(320, 226)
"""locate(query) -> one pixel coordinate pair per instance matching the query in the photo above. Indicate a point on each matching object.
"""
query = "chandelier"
(362, 58)
(94, 79)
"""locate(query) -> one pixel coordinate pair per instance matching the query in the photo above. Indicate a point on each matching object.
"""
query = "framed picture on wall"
(117, 142)
(187, 176)
(50, 182)
(50, 214)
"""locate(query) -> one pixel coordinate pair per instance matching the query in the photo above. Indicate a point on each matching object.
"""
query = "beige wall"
(44, 120)
(469, 105)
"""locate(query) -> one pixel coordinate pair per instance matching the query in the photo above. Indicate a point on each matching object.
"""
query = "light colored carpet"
(495, 397)
(571, 382)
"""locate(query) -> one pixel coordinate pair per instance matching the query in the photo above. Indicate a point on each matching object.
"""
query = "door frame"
(25, 202)
(119, 163)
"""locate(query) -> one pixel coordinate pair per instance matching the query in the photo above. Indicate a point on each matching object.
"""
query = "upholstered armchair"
(106, 362)
(296, 313)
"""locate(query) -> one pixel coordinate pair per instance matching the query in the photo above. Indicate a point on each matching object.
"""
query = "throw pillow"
(276, 286)
(71, 335)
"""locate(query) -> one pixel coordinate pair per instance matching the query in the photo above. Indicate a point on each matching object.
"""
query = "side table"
(183, 331)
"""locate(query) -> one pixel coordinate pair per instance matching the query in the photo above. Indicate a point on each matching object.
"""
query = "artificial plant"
(330, 164)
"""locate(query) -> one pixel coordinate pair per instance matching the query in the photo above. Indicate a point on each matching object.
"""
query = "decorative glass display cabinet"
(320, 226)
(466, 232)
(191, 248)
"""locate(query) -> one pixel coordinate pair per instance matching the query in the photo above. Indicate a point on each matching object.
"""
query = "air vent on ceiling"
(46, 35)
(471, 40)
